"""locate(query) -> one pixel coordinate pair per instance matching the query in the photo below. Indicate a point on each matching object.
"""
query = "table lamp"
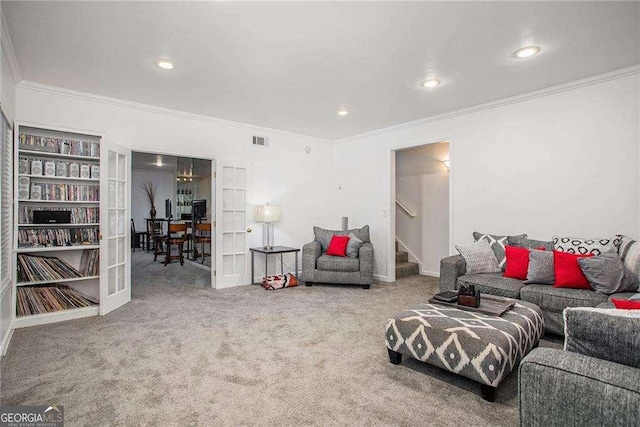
(267, 214)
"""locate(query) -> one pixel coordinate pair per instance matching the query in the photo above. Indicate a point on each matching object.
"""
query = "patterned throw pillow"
(288, 280)
(497, 244)
(479, 257)
(578, 246)
(629, 253)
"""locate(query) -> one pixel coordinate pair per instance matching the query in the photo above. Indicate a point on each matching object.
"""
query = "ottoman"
(482, 347)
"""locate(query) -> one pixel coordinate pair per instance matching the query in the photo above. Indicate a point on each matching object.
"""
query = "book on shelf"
(33, 268)
(64, 192)
(59, 145)
(48, 299)
(79, 215)
(90, 262)
(57, 237)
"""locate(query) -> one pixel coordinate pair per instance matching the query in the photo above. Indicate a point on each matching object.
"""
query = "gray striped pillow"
(629, 253)
(479, 257)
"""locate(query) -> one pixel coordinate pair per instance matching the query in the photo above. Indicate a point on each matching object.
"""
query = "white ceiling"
(291, 66)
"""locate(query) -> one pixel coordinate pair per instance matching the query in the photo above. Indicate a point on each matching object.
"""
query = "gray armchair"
(319, 267)
(594, 381)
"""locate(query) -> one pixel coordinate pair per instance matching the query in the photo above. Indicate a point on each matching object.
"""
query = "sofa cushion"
(541, 268)
(629, 253)
(354, 245)
(493, 284)
(607, 274)
(604, 334)
(324, 236)
(337, 263)
(578, 246)
(557, 299)
(529, 243)
(479, 257)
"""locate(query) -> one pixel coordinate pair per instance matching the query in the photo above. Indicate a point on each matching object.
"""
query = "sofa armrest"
(451, 268)
(604, 334)
(310, 254)
(366, 263)
(557, 388)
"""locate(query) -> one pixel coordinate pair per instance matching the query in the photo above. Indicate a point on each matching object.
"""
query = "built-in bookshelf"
(57, 225)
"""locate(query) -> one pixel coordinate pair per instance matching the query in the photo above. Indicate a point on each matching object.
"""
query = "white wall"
(165, 183)
(565, 163)
(422, 185)
(283, 173)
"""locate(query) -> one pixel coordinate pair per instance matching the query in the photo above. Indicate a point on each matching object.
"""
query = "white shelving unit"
(83, 235)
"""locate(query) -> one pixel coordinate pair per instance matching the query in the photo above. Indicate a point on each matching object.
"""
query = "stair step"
(402, 257)
(405, 269)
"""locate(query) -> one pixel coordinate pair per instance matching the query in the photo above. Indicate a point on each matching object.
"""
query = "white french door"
(115, 211)
(233, 215)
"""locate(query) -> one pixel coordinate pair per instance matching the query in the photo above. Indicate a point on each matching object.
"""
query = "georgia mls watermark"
(31, 416)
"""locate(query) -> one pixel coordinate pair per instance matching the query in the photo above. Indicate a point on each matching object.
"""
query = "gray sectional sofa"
(594, 381)
(552, 301)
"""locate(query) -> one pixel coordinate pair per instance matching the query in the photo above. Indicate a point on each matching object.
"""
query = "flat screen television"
(199, 209)
(167, 209)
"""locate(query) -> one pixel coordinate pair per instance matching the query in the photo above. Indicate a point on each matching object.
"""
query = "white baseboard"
(382, 278)
(5, 342)
(430, 273)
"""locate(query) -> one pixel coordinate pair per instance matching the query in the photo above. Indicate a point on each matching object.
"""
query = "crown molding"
(116, 102)
(7, 44)
(552, 90)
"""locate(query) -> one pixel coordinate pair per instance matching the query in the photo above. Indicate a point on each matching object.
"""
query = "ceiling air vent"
(260, 141)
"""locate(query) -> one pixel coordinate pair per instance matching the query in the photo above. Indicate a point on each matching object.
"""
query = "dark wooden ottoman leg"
(488, 392)
(394, 357)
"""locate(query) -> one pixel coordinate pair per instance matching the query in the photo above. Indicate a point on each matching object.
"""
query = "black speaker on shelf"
(51, 217)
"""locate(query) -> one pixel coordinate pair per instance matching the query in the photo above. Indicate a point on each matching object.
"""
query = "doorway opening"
(173, 238)
(420, 217)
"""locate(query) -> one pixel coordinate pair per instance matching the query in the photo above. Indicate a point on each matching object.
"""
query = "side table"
(274, 250)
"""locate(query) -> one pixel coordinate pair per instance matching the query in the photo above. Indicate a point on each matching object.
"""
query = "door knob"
(248, 229)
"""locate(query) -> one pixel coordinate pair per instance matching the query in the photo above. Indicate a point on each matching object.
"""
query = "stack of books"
(65, 192)
(55, 237)
(32, 268)
(46, 299)
(81, 215)
(59, 145)
(90, 262)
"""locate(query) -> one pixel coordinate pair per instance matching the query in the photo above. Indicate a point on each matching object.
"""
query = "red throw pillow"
(568, 271)
(517, 262)
(626, 304)
(338, 246)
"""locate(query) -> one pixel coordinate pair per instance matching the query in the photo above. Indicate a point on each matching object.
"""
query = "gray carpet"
(180, 355)
(144, 269)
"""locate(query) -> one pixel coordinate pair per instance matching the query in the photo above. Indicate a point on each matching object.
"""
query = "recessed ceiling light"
(430, 83)
(166, 64)
(526, 52)
(343, 112)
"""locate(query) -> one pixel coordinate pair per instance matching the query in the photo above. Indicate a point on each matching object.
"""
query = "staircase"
(405, 268)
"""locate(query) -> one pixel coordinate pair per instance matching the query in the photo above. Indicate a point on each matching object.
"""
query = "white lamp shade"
(266, 213)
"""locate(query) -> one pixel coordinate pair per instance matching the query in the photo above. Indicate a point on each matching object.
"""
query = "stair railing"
(404, 208)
